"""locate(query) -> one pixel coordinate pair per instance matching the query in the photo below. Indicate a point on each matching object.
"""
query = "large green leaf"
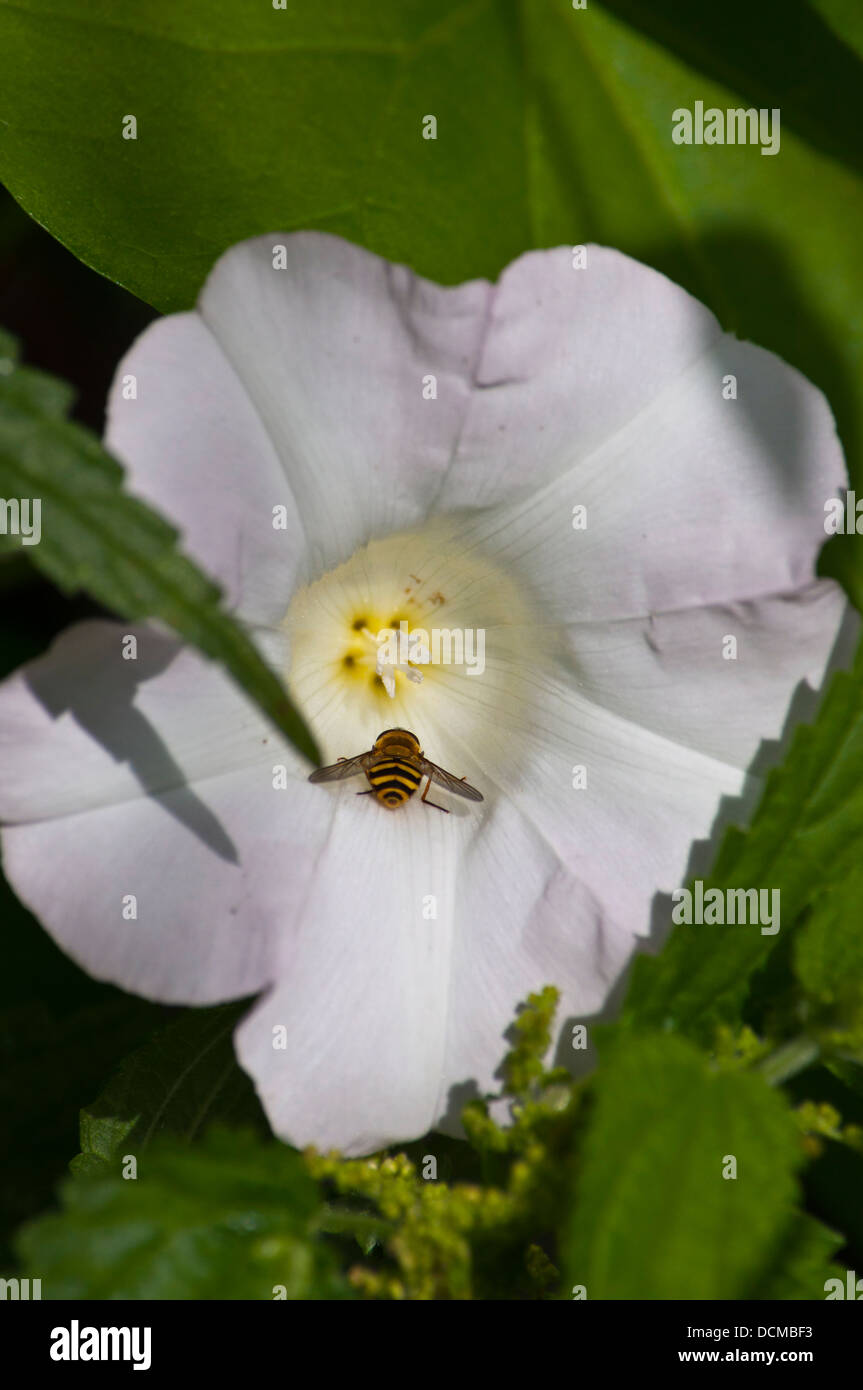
(251, 118)
(232, 1218)
(654, 1217)
(805, 835)
(97, 537)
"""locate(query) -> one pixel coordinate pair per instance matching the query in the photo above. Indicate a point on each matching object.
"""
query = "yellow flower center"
(405, 624)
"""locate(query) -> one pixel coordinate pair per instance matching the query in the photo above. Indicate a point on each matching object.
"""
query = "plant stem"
(789, 1059)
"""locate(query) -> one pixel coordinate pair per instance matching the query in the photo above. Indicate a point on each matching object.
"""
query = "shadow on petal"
(105, 710)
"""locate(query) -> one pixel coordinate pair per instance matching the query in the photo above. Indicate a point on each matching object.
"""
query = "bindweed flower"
(561, 528)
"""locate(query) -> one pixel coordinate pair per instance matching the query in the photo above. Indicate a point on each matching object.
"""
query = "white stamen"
(385, 667)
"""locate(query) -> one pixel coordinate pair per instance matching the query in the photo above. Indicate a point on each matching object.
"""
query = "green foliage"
(804, 838)
(653, 1191)
(232, 1218)
(452, 1240)
(97, 537)
(182, 1080)
(571, 1184)
(49, 1059)
(815, 78)
(828, 959)
(802, 1264)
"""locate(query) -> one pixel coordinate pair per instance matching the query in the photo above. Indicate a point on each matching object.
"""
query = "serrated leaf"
(231, 1218)
(805, 835)
(175, 1085)
(653, 1216)
(97, 537)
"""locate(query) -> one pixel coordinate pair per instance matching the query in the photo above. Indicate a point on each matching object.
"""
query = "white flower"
(557, 461)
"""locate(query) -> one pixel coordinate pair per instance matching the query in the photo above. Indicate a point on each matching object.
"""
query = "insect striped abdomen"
(394, 781)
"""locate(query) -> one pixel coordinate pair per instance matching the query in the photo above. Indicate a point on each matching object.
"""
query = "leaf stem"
(789, 1059)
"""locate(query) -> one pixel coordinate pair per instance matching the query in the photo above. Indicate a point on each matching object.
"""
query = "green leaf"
(97, 537)
(805, 835)
(176, 1084)
(274, 119)
(845, 18)
(810, 78)
(231, 1218)
(828, 951)
(653, 1216)
(804, 1263)
(828, 963)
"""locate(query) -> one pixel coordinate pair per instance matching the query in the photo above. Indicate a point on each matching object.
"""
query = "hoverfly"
(395, 766)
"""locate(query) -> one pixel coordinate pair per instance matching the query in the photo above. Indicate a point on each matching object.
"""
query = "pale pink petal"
(152, 779)
(348, 1049)
(674, 674)
(195, 448)
(335, 352)
(603, 388)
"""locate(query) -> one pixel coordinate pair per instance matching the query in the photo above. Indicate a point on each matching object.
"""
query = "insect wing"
(453, 784)
(347, 767)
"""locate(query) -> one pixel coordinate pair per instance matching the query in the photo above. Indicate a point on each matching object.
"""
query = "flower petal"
(357, 1063)
(152, 779)
(674, 673)
(347, 1050)
(569, 357)
(627, 833)
(195, 448)
(603, 388)
(333, 351)
(525, 921)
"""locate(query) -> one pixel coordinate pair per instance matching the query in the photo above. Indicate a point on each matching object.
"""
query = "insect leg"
(432, 803)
